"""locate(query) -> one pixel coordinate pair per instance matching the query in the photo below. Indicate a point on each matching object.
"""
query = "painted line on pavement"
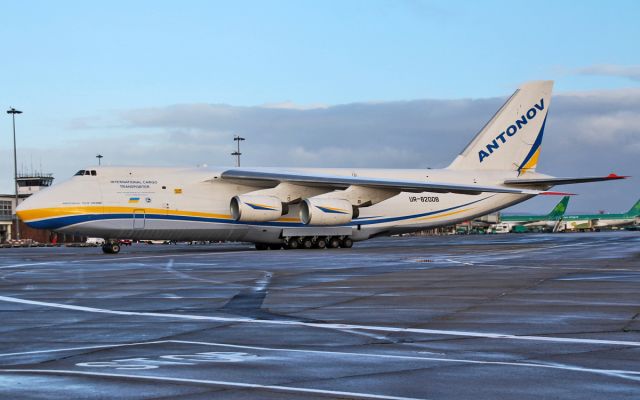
(484, 335)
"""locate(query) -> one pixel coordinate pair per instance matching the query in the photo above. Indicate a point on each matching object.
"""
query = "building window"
(5, 208)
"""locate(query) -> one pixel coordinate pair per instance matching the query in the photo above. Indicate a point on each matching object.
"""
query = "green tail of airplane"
(635, 210)
(559, 210)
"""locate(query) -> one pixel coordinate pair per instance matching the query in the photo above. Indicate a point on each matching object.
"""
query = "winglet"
(613, 175)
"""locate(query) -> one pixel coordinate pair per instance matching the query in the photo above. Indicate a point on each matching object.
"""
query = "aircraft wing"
(561, 181)
(335, 182)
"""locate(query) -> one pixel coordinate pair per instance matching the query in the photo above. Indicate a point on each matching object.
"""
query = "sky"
(333, 83)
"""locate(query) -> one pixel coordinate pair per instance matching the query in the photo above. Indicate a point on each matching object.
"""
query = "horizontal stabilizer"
(561, 181)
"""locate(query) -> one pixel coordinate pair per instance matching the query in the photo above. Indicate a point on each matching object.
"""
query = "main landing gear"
(309, 242)
(111, 247)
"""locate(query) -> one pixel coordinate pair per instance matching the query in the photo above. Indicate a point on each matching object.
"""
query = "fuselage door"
(138, 219)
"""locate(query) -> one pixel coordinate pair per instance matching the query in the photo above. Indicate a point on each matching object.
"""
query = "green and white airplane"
(597, 221)
(550, 220)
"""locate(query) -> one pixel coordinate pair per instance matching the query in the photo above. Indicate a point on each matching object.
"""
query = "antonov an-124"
(307, 207)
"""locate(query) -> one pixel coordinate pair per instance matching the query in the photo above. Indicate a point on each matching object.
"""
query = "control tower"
(33, 182)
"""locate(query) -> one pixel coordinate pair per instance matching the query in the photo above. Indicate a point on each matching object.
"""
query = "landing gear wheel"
(275, 246)
(333, 243)
(111, 248)
(293, 244)
(261, 246)
(321, 243)
(347, 243)
(306, 243)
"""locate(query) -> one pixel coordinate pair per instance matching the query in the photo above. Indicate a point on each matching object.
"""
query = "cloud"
(588, 133)
(289, 105)
(623, 71)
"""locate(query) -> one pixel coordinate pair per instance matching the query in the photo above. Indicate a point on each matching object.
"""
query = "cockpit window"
(86, 172)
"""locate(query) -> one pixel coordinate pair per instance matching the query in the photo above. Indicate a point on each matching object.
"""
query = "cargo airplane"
(311, 207)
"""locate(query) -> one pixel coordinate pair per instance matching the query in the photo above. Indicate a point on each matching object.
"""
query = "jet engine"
(250, 208)
(326, 211)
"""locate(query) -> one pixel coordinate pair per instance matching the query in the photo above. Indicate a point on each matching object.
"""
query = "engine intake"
(327, 211)
(256, 208)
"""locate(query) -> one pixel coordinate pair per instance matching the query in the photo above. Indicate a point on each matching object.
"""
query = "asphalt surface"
(457, 317)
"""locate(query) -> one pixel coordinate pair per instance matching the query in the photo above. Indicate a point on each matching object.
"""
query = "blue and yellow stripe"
(531, 159)
(60, 217)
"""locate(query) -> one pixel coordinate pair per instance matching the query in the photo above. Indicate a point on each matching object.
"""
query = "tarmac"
(454, 317)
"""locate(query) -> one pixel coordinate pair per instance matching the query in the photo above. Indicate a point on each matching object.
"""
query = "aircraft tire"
(320, 243)
(111, 248)
(333, 242)
(292, 244)
(306, 243)
(275, 246)
(261, 246)
(346, 243)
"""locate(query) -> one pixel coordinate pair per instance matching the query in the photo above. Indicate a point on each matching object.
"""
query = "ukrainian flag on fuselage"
(134, 200)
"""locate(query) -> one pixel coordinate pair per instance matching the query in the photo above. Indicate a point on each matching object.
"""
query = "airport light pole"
(13, 113)
(237, 153)
(99, 157)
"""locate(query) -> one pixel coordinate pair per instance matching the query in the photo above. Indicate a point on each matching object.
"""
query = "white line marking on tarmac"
(100, 346)
(624, 374)
(117, 258)
(441, 359)
(276, 388)
(31, 264)
(502, 254)
(485, 335)
(625, 276)
(457, 262)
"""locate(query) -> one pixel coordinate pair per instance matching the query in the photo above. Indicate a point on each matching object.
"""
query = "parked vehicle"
(95, 241)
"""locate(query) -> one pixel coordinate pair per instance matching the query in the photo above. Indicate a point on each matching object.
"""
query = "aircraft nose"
(35, 208)
(27, 207)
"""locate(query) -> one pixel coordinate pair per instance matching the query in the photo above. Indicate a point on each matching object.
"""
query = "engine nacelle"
(326, 211)
(250, 208)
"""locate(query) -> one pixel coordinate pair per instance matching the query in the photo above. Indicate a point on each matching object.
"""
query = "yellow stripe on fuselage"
(443, 215)
(45, 213)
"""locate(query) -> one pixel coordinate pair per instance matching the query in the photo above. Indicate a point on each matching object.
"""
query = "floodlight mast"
(237, 153)
(13, 113)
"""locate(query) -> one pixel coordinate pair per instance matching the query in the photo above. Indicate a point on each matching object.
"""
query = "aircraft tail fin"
(559, 210)
(511, 139)
(635, 210)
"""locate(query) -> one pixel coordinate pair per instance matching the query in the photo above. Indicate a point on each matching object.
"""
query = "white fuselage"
(193, 204)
